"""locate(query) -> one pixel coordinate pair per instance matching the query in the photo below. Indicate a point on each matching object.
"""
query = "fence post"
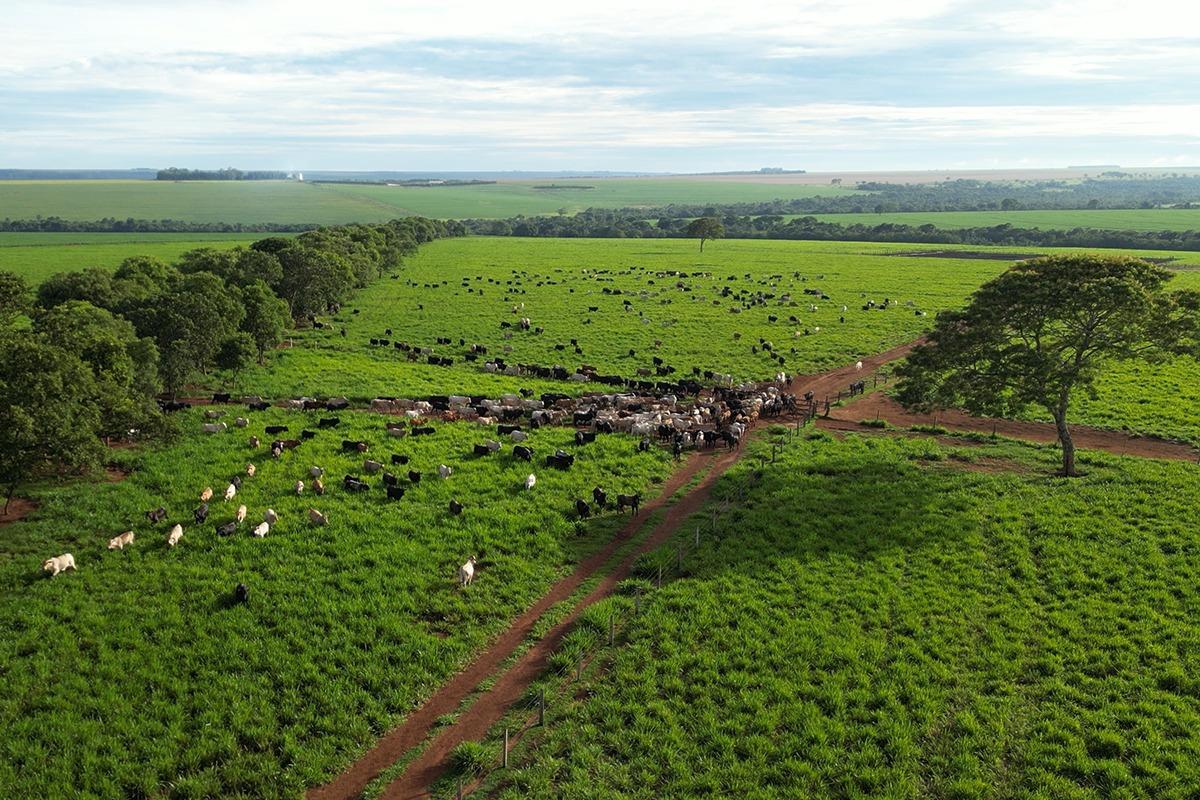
(612, 629)
(697, 536)
(541, 707)
(660, 576)
(637, 603)
(679, 558)
(460, 789)
(505, 762)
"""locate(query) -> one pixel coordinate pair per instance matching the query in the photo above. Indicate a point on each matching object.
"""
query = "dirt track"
(878, 405)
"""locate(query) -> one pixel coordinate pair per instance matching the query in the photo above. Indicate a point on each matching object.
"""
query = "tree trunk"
(1068, 445)
(12, 489)
(701, 244)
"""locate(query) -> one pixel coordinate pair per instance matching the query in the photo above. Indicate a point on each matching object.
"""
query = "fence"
(685, 543)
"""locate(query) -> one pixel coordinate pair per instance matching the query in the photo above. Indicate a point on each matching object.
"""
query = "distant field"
(1118, 219)
(327, 204)
(36, 256)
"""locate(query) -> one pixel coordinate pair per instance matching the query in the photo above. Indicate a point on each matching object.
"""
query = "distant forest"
(227, 174)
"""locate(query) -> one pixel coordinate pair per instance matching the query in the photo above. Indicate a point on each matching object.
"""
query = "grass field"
(1158, 219)
(36, 256)
(905, 619)
(136, 677)
(327, 204)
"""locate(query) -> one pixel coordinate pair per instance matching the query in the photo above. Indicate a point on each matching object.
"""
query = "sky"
(626, 86)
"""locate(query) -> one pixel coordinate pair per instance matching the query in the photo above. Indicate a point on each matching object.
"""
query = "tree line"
(648, 224)
(227, 174)
(130, 225)
(86, 355)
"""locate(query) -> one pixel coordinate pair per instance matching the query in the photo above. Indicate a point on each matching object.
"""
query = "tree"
(705, 228)
(50, 422)
(236, 353)
(1043, 330)
(14, 297)
(266, 317)
(93, 285)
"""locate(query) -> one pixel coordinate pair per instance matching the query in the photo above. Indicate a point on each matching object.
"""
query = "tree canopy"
(1043, 330)
(705, 228)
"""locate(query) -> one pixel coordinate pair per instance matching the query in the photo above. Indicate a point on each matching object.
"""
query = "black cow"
(220, 397)
(395, 492)
(337, 405)
(584, 417)
(352, 484)
(275, 430)
(581, 508)
(313, 405)
(157, 515)
(603, 426)
(241, 593)
(584, 437)
(390, 480)
(505, 430)
(306, 435)
(632, 501)
(237, 482)
(560, 460)
(200, 514)
(424, 431)
(456, 507)
(414, 476)
(600, 497)
(261, 405)
(228, 529)
(644, 446)
(523, 453)
(349, 446)
(481, 450)
(329, 422)
(399, 459)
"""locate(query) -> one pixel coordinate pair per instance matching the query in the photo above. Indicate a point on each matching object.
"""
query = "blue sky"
(697, 86)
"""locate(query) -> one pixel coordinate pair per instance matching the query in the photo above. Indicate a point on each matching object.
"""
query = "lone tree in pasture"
(705, 228)
(1043, 330)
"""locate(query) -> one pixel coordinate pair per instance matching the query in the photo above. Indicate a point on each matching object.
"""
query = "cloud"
(622, 85)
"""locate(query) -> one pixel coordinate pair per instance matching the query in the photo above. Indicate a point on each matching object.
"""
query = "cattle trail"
(510, 685)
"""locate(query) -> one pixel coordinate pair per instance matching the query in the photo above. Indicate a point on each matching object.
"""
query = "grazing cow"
(241, 593)
(644, 446)
(157, 515)
(200, 514)
(216, 427)
(174, 536)
(371, 467)
(230, 492)
(275, 430)
(213, 415)
(456, 507)
(424, 431)
(584, 437)
(349, 446)
(494, 446)
(317, 518)
(306, 435)
(414, 476)
(237, 482)
(58, 564)
(631, 501)
(560, 460)
(241, 422)
(518, 436)
(270, 516)
(220, 397)
(262, 529)
(250, 470)
(337, 404)
(390, 480)
(255, 441)
(444, 471)
(353, 484)
(206, 495)
(395, 492)
(276, 450)
(299, 488)
(119, 542)
(858, 366)
(228, 529)
(466, 573)
(581, 508)
(315, 472)
(530, 481)
(318, 486)
(241, 515)
(328, 422)
(399, 459)
(261, 405)
(523, 453)
(600, 497)
(481, 450)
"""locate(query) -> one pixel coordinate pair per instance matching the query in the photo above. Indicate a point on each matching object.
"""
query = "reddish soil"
(18, 509)
(115, 474)
(878, 405)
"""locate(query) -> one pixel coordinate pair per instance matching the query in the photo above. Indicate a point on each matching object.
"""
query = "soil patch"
(18, 509)
(116, 474)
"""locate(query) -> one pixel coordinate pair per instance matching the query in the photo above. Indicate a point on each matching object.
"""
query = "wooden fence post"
(460, 789)
(679, 558)
(697, 536)
(612, 629)
(505, 762)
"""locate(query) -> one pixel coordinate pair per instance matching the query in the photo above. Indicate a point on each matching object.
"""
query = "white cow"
(119, 542)
(315, 472)
(445, 471)
(531, 481)
(250, 470)
(518, 436)
(371, 467)
(215, 427)
(206, 495)
(174, 536)
(466, 573)
(262, 530)
(299, 488)
(270, 516)
(58, 564)
(230, 492)
(241, 422)
(858, 366)
(241, 514)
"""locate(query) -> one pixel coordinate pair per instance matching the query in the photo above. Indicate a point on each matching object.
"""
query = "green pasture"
(1152, 219)
(135, 676)
(37, 256)
(884, 617)
(258, 202)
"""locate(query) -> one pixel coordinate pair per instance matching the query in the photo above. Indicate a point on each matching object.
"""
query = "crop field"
(463, 289)
(1156, 219)
(36, 256)
(154, 684)
(330, 204)
(888, 617)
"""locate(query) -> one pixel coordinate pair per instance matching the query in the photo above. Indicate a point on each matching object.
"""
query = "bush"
(470, 758)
